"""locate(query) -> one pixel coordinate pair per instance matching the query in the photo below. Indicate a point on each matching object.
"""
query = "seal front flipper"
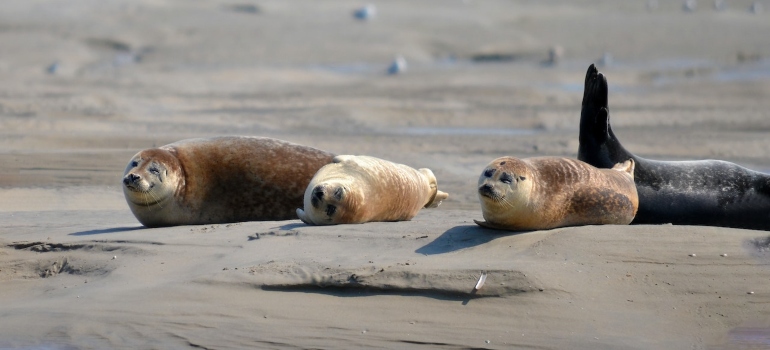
(301, 215)
(485, 224)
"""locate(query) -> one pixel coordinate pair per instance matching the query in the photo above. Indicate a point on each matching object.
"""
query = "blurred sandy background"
(85, 84)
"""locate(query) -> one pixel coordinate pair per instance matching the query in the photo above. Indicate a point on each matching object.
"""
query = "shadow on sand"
(292, 225)
(461, 237)
(106, 230)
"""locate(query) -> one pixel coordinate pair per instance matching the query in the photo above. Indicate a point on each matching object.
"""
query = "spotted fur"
(549, 192)
(219, 180)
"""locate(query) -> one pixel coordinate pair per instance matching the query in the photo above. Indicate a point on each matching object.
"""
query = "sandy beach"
(85, 84)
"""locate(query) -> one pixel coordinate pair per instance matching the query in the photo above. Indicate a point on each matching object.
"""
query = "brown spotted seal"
(548, 192)
(358, 189)
(219, 180)
(697, 192)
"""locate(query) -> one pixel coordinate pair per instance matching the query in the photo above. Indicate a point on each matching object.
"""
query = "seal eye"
(330, 209)
(338, 193)
(155, 171)
(506, 178)
(489, 172)
(134, 164)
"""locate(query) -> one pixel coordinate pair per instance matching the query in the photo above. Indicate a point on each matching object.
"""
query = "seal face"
(219, 180)
(549, 192)
(359, 189)
(705, 192)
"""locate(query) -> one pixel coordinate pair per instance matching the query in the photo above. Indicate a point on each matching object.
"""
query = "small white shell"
(481, 281)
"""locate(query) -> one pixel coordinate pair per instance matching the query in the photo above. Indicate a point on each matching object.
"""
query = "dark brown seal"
(219, 180)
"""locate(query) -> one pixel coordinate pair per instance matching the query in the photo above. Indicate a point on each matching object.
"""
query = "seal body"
(548, 192)
(358, 189)
(705, 192)
(219, 180)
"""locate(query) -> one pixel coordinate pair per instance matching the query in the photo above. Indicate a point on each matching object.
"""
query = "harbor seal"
(705, 192)
(219, 180)
(547, 192)
(359, 189)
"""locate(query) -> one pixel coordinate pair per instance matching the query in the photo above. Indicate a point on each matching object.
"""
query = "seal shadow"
(106, 230)
(292, 225)
(461, 237)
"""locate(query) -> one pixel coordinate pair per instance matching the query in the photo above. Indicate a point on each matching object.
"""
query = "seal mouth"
(143, 194)
(135, 188)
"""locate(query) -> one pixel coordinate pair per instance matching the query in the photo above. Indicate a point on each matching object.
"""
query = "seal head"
(151, 181)
(504, 189)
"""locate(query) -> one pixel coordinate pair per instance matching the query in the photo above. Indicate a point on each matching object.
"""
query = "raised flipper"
(595, 130)
(595, 115)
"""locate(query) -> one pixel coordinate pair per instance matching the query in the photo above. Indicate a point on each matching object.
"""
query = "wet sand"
(84, 86)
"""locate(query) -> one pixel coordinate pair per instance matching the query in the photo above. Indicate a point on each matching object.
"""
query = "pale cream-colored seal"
(548, 192)
(219, 180)
(358, 189)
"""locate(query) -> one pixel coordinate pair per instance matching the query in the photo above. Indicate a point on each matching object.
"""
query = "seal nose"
(131, 178)
(485, 189)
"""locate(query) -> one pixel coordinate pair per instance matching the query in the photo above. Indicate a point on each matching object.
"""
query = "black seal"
(703, 192)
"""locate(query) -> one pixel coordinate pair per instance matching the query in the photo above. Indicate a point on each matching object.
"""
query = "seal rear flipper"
(437, 199)
(595, 90)
(594, 114)
(437, 196)
(626, 167)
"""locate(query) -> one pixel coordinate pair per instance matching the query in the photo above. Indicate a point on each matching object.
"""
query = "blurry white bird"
(398, 66)
(365, 13)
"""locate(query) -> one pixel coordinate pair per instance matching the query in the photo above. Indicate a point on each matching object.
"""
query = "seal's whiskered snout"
(131, 180)
(487, 190)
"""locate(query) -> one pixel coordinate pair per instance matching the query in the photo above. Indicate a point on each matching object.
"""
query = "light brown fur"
(218, 180)
(358, 189)
(550, 192)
